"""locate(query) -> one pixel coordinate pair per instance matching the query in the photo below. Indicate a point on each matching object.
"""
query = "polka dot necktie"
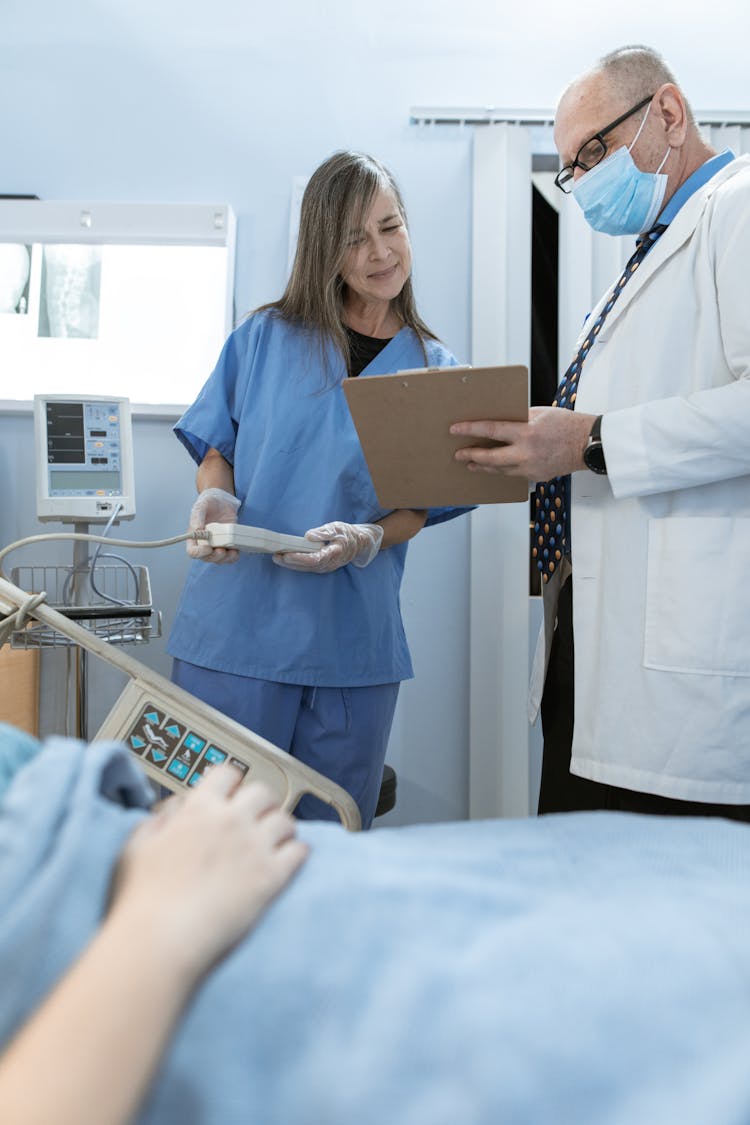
(550, 538)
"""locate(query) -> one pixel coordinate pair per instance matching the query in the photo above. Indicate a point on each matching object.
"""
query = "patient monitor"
(84, 454)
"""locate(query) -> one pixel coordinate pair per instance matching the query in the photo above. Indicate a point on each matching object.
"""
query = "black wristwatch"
(593, 454)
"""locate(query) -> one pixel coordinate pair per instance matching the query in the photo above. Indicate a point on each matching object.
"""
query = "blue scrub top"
(277, 412)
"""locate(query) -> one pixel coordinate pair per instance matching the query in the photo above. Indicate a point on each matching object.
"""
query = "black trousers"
(562, 791)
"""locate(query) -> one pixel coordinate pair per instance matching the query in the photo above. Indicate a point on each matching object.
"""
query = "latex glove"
(213, 505)
(342, 543)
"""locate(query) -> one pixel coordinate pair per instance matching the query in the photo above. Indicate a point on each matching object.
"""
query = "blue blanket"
(589, 968)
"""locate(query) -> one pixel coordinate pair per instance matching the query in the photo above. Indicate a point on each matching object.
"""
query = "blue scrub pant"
(340, 732)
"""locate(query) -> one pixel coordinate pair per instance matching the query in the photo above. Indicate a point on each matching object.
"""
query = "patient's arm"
(191, 881)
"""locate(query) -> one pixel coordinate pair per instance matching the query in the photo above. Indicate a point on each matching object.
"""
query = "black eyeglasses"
(593, 150)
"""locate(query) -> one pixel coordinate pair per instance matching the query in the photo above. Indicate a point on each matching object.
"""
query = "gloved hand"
(213, 505)
(355, 543)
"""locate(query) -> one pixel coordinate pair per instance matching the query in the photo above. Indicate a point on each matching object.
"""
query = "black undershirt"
(362, 350)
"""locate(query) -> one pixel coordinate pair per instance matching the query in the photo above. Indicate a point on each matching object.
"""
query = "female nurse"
(308, 650)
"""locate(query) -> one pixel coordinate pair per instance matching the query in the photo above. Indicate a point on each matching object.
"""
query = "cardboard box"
(19, 688)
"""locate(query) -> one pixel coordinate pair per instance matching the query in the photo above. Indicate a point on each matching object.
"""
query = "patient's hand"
(191, 880)
(195, 876)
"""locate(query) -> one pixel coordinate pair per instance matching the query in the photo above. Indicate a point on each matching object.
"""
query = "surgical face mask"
(616, 197)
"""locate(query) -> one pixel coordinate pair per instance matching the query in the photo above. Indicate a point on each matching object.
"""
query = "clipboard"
(403, 425)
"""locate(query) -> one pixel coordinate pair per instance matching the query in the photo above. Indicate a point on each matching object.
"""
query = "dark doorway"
(544, 258)
(544, 359)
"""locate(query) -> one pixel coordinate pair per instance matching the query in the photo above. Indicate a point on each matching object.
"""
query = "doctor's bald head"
(635, 70)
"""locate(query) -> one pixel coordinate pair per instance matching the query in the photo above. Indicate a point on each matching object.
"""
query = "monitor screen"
(84, 450)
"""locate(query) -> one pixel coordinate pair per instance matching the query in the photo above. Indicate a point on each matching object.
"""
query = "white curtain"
(736, 137)
(501, 334)
(504, 753)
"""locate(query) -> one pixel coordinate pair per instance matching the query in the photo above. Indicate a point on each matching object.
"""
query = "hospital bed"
(175, 736)
(587, 969)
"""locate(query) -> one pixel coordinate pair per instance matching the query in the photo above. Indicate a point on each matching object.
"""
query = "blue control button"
(179, 769)
(213, 755)
(193, 742)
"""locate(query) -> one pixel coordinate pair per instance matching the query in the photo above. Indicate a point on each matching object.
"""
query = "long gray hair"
(336, 201)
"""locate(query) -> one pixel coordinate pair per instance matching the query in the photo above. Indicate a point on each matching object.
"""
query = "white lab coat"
(661, 546)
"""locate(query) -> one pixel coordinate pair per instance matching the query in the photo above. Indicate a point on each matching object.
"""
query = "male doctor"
(642, 532)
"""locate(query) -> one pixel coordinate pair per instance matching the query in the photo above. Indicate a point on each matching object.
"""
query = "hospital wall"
(228, 103)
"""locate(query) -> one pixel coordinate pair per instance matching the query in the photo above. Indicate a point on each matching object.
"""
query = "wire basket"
(112, 600)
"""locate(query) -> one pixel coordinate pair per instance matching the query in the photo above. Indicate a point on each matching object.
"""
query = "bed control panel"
(171, 746)
(178, 738)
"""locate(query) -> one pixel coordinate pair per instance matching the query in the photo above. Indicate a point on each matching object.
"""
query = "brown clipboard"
(403, 425)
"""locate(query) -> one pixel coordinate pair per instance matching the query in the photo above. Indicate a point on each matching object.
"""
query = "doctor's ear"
(671, 107)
